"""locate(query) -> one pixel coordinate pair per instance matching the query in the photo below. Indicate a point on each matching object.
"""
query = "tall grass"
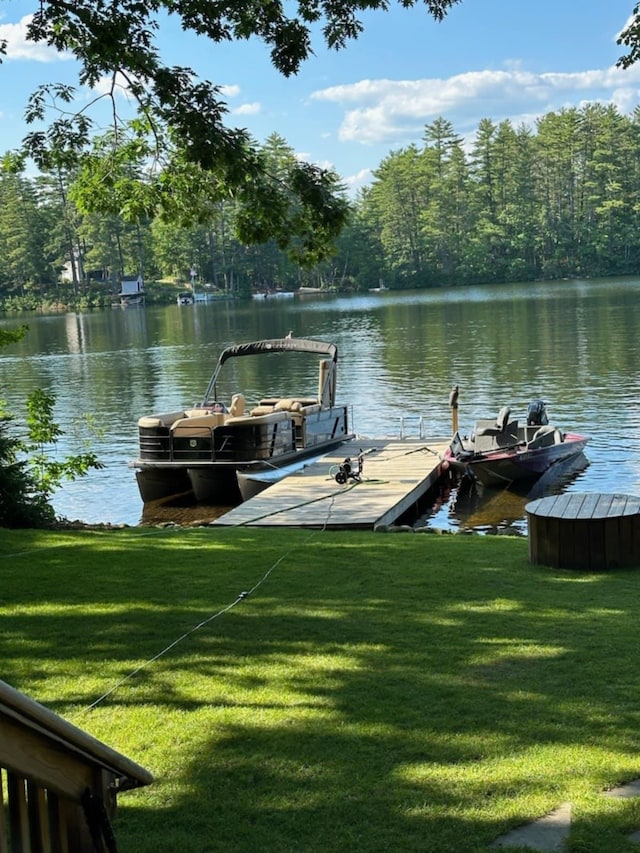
(371, 693)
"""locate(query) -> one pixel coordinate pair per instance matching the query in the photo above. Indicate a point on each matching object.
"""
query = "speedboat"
(500, 451)
(224, 453)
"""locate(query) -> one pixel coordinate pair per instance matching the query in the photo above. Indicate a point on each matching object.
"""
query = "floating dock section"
(394, 475)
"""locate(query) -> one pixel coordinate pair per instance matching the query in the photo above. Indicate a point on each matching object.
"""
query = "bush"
(22, 504)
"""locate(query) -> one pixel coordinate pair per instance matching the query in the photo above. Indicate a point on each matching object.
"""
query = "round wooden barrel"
(584, 531)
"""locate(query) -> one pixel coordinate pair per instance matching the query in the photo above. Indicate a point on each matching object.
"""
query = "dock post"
(453, 403)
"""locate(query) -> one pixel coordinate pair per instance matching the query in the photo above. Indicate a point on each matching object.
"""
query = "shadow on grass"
(375, 693)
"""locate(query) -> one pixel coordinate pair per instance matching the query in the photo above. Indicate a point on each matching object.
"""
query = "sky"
(495, 59)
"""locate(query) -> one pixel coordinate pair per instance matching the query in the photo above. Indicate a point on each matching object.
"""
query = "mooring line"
(330, 496)
(88, 529)
(241, 597)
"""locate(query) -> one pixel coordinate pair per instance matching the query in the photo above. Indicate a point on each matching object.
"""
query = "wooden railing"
(58, 785)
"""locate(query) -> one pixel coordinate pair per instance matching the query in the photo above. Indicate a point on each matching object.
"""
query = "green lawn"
(372, 693)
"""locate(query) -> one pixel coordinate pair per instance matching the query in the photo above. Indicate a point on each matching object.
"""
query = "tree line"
(62, 239)
(515, 204)
(511, 204)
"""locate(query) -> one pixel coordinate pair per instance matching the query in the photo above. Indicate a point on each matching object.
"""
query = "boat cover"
(280, 345)
(322, 348)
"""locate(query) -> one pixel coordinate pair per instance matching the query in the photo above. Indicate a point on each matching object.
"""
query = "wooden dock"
(395, 474)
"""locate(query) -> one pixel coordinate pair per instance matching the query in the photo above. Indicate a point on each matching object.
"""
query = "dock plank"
(395, 474)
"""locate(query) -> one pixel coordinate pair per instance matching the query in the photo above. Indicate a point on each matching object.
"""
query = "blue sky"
(493, 59)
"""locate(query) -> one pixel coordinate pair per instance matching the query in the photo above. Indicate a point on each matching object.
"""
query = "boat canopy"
(321, 348)
(280, 345)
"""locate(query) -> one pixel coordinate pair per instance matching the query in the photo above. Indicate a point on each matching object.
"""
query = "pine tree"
(21, 503)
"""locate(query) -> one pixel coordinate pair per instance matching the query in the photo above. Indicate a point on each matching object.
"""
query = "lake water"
(571, 343)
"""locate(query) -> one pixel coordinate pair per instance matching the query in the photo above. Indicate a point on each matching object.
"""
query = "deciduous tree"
(182, 118)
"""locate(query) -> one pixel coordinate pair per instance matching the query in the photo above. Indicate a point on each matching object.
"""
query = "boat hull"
(215, 484)
(157, 483)
(207, 461)
(223, 484)
(502, 468)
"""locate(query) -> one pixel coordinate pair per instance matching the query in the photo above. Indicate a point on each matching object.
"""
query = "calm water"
(574, 344)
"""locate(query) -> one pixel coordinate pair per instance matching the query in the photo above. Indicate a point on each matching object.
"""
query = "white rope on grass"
(209, 619)
(184, 636)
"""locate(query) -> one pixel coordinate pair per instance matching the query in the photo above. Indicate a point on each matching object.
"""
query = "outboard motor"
(537, 413)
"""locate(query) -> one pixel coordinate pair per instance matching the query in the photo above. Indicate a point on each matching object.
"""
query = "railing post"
(3, 820)
(18, 814)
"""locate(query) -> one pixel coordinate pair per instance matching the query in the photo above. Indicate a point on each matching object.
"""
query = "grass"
(373, 693)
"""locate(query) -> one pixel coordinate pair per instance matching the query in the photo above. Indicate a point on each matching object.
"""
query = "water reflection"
(463, 504)
(180, 511)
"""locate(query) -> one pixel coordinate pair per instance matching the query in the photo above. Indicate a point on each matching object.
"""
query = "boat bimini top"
(320, 348)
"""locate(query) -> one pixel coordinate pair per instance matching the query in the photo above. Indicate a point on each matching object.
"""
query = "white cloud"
(19, 48)
(387, 111)
(231, 91)
(357, 181)
(247, 109)
(626, 100)
(305, 157)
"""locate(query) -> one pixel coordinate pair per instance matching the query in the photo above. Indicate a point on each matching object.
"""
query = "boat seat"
(500, 425)
(200, 412)
(546, 436)
(270, 417)
(286, 403)
(493, 439)
(156, 421)
(198, 426)
(295, 405)
(238, 405)
(298, 415)
(283, 404)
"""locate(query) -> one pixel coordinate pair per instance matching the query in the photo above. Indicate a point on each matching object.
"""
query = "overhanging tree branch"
(111, 38)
